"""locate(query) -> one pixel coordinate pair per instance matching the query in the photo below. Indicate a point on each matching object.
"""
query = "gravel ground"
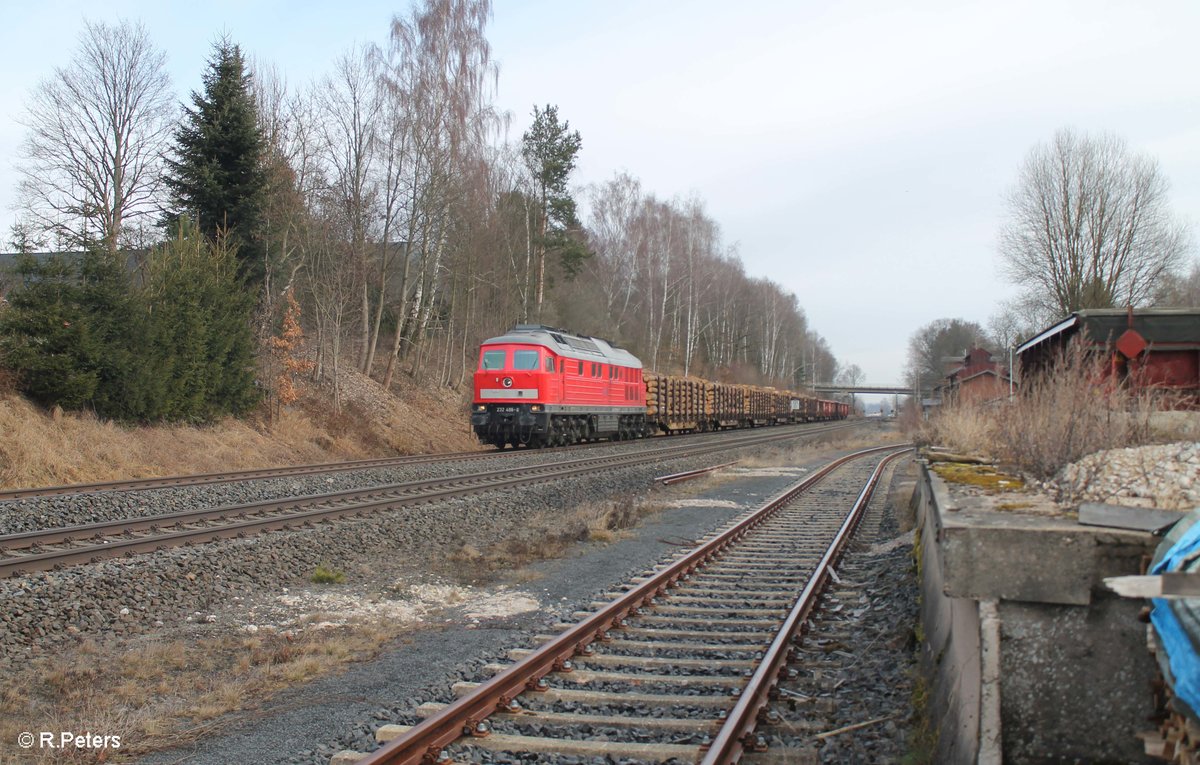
(341, 712)
(137, 596)
(30, 514)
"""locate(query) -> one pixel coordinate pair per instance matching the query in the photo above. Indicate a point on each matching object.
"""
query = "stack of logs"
(725, 404)
(759, 405)
(691, 404)
(675, 403)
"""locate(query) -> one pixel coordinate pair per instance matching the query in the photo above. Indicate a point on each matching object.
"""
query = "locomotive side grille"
(508, 392)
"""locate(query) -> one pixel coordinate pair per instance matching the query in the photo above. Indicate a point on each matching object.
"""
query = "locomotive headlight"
(480, 407)
(535, 407)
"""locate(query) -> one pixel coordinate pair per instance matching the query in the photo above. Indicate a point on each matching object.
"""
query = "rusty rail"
(466, 715)
(300, 511)
(238, 475)
(737, 734)
(136, 484)
(688, 475)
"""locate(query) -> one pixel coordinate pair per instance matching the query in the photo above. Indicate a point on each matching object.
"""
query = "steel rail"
(738, 733)
(237, 475)
(466, 715)
(58, 535)
(415, 492)
(667, 480)
(197, 479)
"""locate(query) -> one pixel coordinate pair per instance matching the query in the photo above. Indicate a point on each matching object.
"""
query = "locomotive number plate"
(508, 409)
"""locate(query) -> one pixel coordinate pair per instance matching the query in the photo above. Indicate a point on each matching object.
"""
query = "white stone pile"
(1165, 476)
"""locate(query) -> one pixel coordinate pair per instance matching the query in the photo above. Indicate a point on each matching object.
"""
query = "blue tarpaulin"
(1177, 620)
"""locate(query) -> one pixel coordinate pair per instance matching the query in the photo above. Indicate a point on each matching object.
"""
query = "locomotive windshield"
(492, 360)
(524, 360)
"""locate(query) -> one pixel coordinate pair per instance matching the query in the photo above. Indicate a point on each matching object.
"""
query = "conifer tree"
(217, 176)
(549, 149)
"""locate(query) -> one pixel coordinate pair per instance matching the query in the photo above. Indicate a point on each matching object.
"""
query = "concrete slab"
(1030, 658)
(990, 553)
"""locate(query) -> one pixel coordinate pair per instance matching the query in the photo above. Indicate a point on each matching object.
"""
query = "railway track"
(46, 549)
(138, 484)
(681, 666)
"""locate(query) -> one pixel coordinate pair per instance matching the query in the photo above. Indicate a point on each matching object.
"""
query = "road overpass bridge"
(884, 389)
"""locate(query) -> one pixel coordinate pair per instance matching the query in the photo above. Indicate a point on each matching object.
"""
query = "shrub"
(81, 334)
(1061, 414)
(325, 575)
(1069, 411)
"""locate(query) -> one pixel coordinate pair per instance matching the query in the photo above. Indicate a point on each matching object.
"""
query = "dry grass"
(157, 694)
(43, 448)
(1059, 417)
(548, 535)
(793, 453)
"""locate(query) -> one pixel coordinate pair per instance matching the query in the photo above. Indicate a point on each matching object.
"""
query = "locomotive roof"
(567, 344)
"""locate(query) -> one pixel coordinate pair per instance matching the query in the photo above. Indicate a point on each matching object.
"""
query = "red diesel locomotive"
(538, 386)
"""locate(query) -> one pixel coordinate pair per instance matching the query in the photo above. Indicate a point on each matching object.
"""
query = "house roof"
(1158, 325)
(981, 373)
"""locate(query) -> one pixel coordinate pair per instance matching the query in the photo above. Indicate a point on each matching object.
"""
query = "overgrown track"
(681, 666)
(46, 549)
(137, 484)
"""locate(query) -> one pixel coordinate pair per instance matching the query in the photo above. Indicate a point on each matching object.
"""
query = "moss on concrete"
(982, 476)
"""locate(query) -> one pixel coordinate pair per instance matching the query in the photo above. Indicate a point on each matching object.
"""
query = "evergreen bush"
(175, 345)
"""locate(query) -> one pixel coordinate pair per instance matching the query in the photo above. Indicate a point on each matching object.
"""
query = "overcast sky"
(856, 153)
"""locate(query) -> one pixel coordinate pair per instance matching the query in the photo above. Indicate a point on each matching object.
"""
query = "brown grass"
(1057, 418)
(157, 694)
(795, 453)
(42, 448)
(547, 535)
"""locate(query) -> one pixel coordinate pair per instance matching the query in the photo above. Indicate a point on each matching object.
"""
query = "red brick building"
(975, 377)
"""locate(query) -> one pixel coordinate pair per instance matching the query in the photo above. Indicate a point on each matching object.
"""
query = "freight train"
(539, 386)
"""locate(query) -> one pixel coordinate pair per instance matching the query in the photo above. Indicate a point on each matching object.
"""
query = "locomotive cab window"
(492, 360)
(549, 364)
(525, 360)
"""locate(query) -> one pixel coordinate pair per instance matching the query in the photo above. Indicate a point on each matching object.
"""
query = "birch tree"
(350, 116)
(440, 64)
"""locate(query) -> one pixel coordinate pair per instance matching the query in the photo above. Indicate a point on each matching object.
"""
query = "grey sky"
(857, 153)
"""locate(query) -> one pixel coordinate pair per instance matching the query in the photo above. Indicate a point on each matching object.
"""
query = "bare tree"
(1088, 226)
(439, 64)
(851, 375)
(614, 207)
(97, 130)
(351, 108)
(1180, 291)
(1013, 322)
(933, 343)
